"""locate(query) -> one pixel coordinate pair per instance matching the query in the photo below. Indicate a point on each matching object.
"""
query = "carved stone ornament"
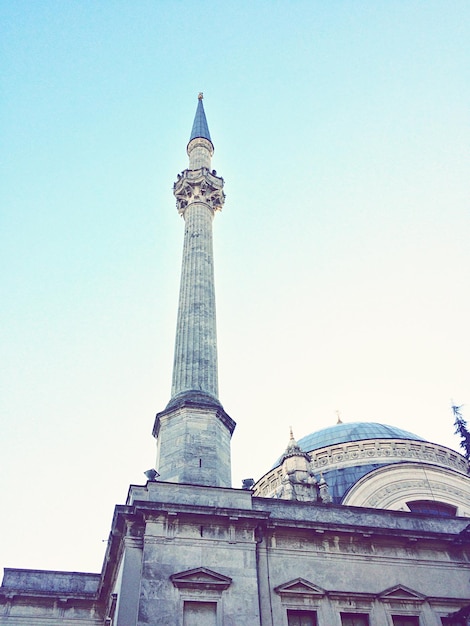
(380, 449)
(199, 186)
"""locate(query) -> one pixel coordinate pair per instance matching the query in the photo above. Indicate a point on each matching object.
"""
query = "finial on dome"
(338, 417)
(291, 433)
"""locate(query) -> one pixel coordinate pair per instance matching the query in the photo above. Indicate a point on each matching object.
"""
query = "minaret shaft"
(200, 151)
(193, 432)
(195, 362)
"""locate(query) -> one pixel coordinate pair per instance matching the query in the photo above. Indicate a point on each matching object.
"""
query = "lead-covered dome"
(374, 465)
(343, 475)
(355, 431)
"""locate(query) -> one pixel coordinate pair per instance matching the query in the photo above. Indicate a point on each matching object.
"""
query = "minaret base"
(193, 441)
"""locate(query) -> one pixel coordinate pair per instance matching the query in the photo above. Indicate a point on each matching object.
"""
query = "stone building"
(355, 525)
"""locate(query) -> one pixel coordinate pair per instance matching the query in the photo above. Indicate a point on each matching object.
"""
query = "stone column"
(128, 588)
(193, 432)
(199, 194)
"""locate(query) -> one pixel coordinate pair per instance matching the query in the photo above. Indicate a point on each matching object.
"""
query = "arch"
(392, 486)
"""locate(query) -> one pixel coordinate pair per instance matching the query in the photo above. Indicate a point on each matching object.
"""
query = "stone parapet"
(44, 598)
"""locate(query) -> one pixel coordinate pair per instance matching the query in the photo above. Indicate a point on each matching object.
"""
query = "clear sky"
(342, 253)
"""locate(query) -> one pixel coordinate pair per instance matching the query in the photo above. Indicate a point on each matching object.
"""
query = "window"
(448, 621)
(405, 620)
(354, 619)
(431, 507)
(199, 613)
(301, 618)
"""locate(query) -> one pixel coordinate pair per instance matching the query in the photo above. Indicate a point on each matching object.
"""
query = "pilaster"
(127, 607)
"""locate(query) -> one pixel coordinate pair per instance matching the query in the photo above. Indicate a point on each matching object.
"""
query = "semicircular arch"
(392, 486)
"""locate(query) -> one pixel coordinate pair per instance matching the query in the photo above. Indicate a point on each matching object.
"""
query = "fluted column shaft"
(195, 361)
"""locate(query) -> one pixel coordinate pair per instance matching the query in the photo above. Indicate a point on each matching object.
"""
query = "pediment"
(201, 578)
(300, 586)
(400, 592)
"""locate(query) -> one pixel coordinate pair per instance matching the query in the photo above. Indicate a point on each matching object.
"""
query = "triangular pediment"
(300, 586)
(201, 578)
(400, 592)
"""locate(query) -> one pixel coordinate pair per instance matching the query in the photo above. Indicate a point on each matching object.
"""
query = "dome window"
(432, 507)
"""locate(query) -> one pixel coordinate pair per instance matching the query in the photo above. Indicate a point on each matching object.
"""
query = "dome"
(346, 433)
(341, 479)
(370, 464)
(355, 431)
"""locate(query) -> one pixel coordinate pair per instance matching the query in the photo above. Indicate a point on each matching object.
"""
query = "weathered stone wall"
(183, 555)
(193, 445)
(198, 552)
(44, 598)
(249, 560)
(332, 559)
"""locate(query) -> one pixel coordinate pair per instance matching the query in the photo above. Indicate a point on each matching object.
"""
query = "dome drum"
(347, 456)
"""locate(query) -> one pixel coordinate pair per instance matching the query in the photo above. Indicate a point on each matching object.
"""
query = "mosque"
(358, 524)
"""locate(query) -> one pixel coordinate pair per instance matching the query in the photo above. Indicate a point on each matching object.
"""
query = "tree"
(461, 429)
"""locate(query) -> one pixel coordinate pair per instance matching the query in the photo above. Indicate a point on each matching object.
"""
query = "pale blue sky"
(342, 253)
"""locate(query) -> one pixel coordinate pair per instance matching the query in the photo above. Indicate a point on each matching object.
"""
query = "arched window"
(431, 507)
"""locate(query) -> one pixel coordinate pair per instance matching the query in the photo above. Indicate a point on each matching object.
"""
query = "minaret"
(193, 432)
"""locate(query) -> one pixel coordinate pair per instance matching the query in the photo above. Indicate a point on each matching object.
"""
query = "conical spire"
(293, 449)
(200, 127)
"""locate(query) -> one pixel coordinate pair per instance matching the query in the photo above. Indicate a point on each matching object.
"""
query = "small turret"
(324, 492)
(298, 481)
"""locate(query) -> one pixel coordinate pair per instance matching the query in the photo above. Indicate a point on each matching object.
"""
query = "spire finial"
(293, 448)
(200, 127)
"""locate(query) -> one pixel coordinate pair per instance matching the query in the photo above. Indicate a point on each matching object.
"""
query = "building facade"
(355, 525)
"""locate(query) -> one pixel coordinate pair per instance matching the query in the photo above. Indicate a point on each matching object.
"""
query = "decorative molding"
(199, 186)
(380, 450)
(392, 486)
(299, 587)
(201, 578)
(400, 592)
(417, 486)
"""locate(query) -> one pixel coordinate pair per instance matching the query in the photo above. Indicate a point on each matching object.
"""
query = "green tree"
(461, 429)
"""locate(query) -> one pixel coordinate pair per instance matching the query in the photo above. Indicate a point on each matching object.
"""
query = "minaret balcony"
(200, 185)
